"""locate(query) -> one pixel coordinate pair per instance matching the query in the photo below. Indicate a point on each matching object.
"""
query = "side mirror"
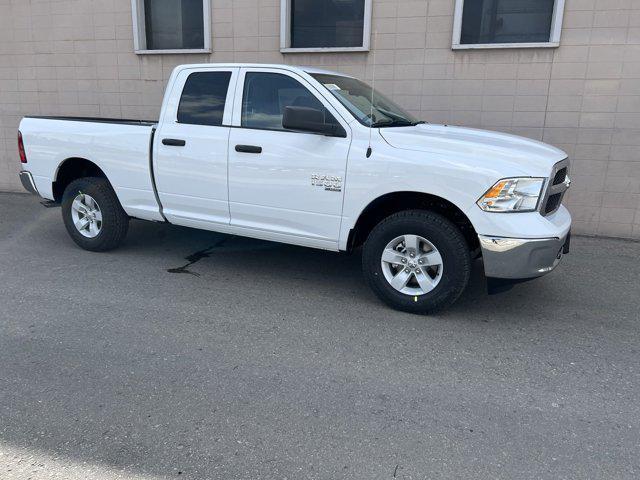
(306, 119)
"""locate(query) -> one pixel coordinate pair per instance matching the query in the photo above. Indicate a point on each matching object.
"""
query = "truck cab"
(312, 158)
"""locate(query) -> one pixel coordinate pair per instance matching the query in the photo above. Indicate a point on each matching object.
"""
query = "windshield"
(356, 96)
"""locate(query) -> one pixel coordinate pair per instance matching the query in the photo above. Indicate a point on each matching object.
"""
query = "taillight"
(23, 155)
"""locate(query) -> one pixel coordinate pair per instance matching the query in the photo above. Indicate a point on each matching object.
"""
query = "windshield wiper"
(394, 123)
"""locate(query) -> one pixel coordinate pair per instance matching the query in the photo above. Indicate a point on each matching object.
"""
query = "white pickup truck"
(312, 158)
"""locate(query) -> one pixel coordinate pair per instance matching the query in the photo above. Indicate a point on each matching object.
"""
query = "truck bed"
(120, 148)
(121, 121)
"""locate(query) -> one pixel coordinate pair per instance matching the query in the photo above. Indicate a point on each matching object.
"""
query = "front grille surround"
(556, 187)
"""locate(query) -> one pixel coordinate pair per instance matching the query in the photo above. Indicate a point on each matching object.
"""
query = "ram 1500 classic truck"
(313, 158)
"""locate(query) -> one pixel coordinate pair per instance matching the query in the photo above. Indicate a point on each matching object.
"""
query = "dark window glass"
(327, 23)
(506, 21)
(203, 98)
(267, 94)
(174, 24)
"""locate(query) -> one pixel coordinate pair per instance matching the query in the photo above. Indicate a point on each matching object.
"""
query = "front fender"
(390, 170)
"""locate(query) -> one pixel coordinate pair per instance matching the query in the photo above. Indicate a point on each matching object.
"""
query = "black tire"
(115, 221)
(441, 233)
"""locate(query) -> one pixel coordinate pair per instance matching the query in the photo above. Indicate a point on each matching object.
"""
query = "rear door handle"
(248, 149)
(173, 142)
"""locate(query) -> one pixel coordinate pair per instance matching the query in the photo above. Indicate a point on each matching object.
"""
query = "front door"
(288, 184)
(191, 147)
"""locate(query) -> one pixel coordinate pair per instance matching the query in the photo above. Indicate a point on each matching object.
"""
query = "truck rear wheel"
(93, 215)
(416, 261)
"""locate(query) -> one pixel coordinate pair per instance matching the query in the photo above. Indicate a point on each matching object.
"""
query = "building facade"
(563, 71)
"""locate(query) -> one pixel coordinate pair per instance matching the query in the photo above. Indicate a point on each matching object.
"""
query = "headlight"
(512, 195)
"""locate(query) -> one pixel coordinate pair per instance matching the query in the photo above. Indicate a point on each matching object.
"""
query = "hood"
(510, 154)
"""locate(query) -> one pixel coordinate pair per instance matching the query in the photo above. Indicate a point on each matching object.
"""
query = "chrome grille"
(560, 176)
(556, 188)
(553, 203)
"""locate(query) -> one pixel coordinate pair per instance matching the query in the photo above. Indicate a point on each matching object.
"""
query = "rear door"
(287, 184)
(191, 146)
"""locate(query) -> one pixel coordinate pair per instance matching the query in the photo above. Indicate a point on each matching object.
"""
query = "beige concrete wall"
(75, 57)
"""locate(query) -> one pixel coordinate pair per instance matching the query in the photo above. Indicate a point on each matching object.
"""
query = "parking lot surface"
(189, 354)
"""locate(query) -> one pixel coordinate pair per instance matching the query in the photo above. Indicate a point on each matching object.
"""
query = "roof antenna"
(373, 86)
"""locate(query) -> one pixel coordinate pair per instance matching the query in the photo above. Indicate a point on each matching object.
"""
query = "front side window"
(369, 107)
(203, 98)
(266, 95)
(506, 22)
(325, 24)
(168, 25)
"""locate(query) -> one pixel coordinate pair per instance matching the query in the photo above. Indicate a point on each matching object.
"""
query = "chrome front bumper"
(520, 258)
(27, 182)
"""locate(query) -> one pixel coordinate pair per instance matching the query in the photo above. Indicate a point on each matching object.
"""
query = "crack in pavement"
(196, 257)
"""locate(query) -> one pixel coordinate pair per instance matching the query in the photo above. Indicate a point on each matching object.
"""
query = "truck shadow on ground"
(308, 268)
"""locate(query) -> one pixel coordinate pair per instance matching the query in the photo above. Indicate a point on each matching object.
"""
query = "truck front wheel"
(93, 215)
(416, 261)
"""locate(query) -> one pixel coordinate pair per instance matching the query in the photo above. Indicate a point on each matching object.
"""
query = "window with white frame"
(325, 25)
(171, 26)
(507, 23)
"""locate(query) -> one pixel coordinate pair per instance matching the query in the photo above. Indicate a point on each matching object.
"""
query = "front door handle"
(173, 142)
(248, 149)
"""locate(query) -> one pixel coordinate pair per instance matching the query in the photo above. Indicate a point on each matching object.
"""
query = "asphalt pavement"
(190, 354)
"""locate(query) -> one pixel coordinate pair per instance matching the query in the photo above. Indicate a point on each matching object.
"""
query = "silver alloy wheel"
(86, 215)
(412, 265)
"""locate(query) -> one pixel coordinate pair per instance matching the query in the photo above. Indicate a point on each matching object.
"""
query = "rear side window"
(203, 98)
(267, 94)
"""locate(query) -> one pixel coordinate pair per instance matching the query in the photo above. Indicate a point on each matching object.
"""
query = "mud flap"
(501, 285)
(567, 244)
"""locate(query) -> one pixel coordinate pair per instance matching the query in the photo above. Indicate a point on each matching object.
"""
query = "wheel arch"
(71, 169)
(394, 202)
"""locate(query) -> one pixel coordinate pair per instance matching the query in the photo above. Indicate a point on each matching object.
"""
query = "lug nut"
(420, 261)
(412, 255)
(404, 260)
(418, 270)
(406, 270)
